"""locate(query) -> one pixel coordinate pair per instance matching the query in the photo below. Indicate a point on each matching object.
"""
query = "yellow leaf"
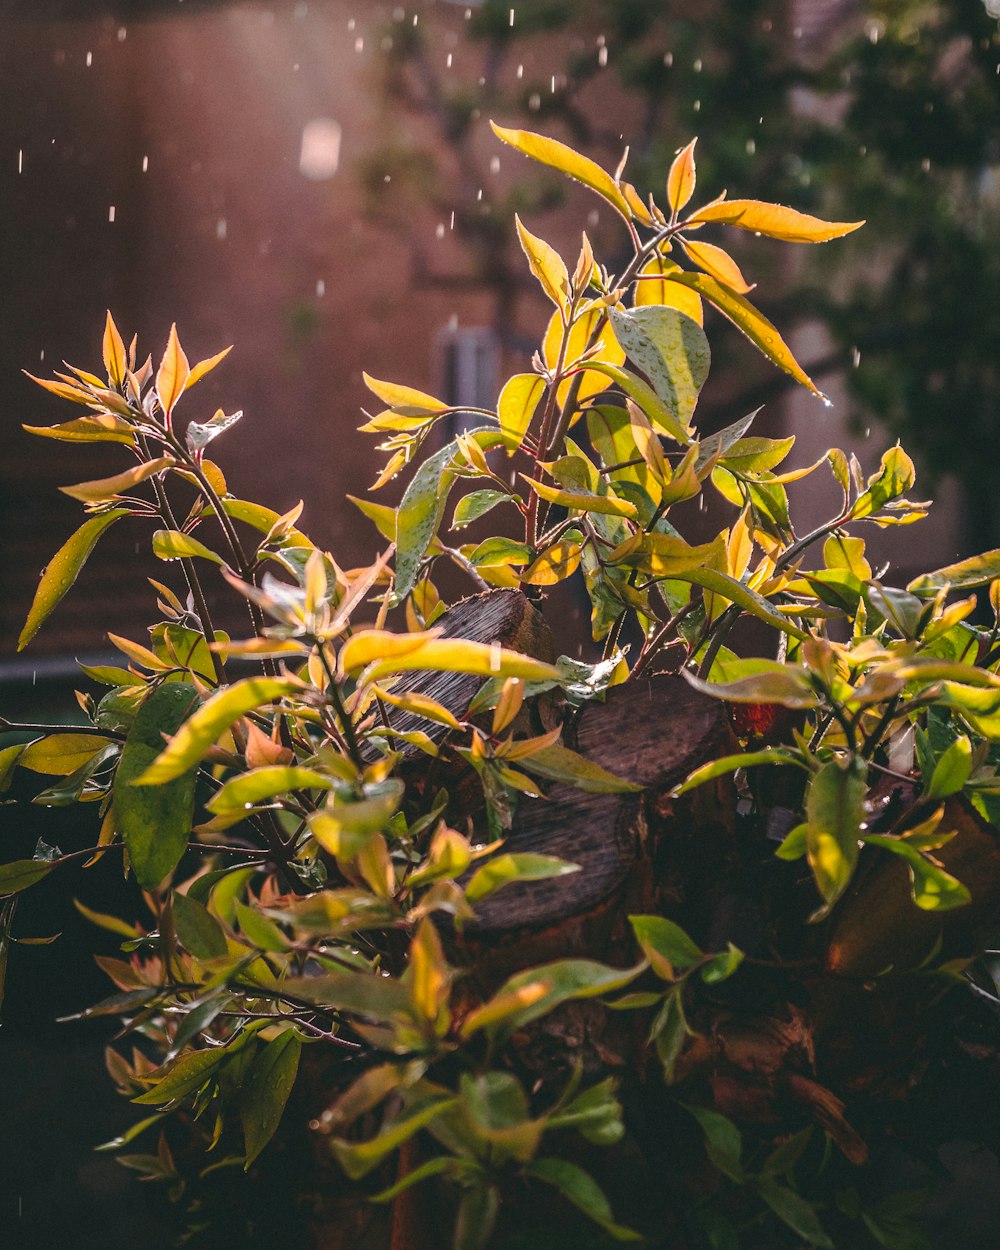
(403, 397)
(103, 427)
(115, 358)
(64, 390)
(375, 866)
(61, 754)
(110, 487)
(584, 502)
(460, 655)
(428, 972)
(546, 264)
(681, 179)
(509, 704)
(592, 324)
(420, 705)
(138, 654)
(380, 644)
(559, 156)
(639, 210)
(775, 220)
(173, 373)
(206, 366)
(753, 323)
(556, 563)
(653, 288)
(718, 263)
(516, 406)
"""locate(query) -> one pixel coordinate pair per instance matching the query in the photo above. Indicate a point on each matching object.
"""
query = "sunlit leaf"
(265, 783)
(173, 373)
(559, 763)
(681, 178)
(729, 763)
(718, 264)
(209, 722)
(405, 398)
(932, 887)
(581, 500)
(963, 575)
(461, 655)
(61, 754)
(115, 355)
(62, 570)
(199, 434)
(359, 1158)
(419, 514)
(670, 349)
(565, 980)
(559, 156)
(774, 220)
(665, 945)
(652, 287)
(368, 645)
(101, 428)
(421, 705)
(476, 504)
(546, 264)
(199, 370)
(750, 320)
(768, 682)
(835, 810)
(516, 406)
(102, 489)
(554, 564)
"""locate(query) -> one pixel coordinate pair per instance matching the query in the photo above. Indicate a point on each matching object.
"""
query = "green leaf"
(433, 1167)
(835, 810)
(664, 944)
(670, 349)
(197, 929)
(265, 1091)
(580, 1188)
(507, 869)
(723, 1142)
(359, 1158)
(545, 264)
(476, 1219)
(360, 994)
(68, 791)
(659, 415)
(63, 569)
(20, 874)
(259, 518)
(9, 757)
(722, 966)
(419, 515)
(559, 156)
(476, 504)
(729, 763)
(952, 770)
(768, 682)
(792, 1209)
(203, 728)
(61, 754)
(750, 320)
(182, 1076)
(265, 783)
(722, 584)
(584, 501)
(559, 763)
(155, 823)
(893, 479)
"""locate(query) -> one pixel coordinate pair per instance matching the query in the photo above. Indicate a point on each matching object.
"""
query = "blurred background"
(316, 183)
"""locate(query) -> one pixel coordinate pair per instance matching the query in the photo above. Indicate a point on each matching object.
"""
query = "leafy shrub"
(297, 805)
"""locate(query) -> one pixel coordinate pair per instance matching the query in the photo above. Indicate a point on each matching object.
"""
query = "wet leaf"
(62, 571)
(103, 489)
(61, 754)
(173, 373)
(265, 783)
(835, 811)
(516, 406)
(775, 220)
(265, 1091)
(681, 178)
(511, 867)
(670, 349)
(173, 545)
(559, 763)
(563, 158)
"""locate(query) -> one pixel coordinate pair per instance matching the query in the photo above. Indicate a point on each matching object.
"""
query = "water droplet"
(221, 228)
(439, 231)
(602, 56)
(668, 59)
(351, 23)
(925, 165)
(534, 102)
(697, 65)
(111, 213)
(494, 164)
(520, 72)
(448, 61)
(696, 106)
(89, 60)
(510, 17)
(320, 288)
(855, 357)
(751, 147)
(145, 164)
(122, 32)
(825, 400)
(20, 160)
(359, 44)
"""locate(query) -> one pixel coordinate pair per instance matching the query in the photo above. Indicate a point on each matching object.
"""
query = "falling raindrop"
(593, 217)
(520, 71)
(925, 164)
(751, 147)
(602, 55)
(416, 18)
(448, 60)
(439, 232)
(479, 194)
(89, 60)
(122, 32)
(221, 228)
(797, 32)
(451, 223)
(534, 102)
(855, 357)
(20, 160)
(552, 85)
(494, 164)
(351, 23)
(511, 17)
(868, 431)
(697, 65)
(111, 213)
(696, 106)
(668, 59)
(359, 45)
(145, 164)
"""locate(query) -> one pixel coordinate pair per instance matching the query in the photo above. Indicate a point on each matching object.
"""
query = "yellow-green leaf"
(173, 545)
(752, 322)
(379, 644)
(265, 783)
(559, 763)
(546, 264)
(964, 575)
(265, 1090)
(775, 220)
(671, 350)
(209, 722)
(62, 571)
(554, 564)
(835, 810)
(681, 178)
(61, 754)
(259, 518)
(420, 705)
(199, 370)
(173, 373)
(507, 869)
(583, 500)
(652, 287)
(516, 406)
(101, 489)
(559, 156)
